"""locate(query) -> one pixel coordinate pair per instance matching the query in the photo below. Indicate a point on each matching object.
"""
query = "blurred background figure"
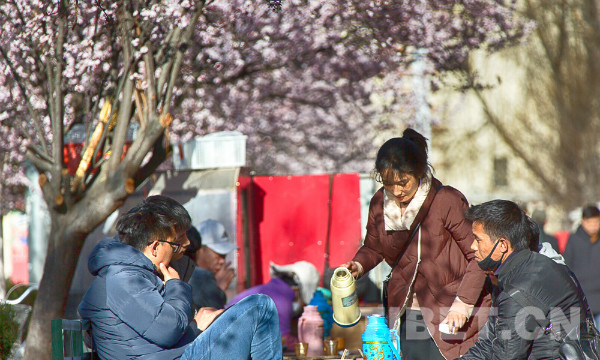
(539, 217)
(212, 275)
(291, 287)
(582, 254)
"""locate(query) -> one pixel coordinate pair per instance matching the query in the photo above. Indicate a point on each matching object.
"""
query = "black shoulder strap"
(412, 235)
(526, 300)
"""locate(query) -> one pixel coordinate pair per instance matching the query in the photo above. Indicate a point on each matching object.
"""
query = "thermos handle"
(395, 347)
(300, 326)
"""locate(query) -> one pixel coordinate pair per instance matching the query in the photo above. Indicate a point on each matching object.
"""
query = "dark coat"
(133, 314)
(447, 267)
(583, 257)
(543, 279)
(205, 291)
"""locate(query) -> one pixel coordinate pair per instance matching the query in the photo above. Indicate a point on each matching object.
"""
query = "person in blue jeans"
(140, 309)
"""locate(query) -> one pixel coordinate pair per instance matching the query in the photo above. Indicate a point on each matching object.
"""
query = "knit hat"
(306, 273)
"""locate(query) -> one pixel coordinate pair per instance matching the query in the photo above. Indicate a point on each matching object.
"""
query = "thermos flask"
(377, 340)
(343, 298)
(310, 330)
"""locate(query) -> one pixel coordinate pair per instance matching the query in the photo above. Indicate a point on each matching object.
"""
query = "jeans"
(249, 329)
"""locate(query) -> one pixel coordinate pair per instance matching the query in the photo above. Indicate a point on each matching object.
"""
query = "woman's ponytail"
(417, 138)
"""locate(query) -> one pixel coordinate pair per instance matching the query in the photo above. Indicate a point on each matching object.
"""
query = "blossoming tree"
(296, 80)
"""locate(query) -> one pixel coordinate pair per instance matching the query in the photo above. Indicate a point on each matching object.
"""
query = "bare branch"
(182, 46)
(56, 116)
(42, 165)
(151, 89)
(159, 154)
(124, 116)
(165, 69)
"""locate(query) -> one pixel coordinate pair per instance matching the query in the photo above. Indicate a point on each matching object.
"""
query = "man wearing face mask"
(291, 287)
(502, 234)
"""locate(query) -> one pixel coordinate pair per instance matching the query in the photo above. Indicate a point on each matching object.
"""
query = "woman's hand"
(354, 267)
(455, 321)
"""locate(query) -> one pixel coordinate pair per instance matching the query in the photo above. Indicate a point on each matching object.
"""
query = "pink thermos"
(310, 330)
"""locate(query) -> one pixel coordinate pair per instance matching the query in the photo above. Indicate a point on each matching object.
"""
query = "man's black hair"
(195, 239)
(505, 219)
(156, 218)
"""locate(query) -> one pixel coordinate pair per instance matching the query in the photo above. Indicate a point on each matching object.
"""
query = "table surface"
(294, 357)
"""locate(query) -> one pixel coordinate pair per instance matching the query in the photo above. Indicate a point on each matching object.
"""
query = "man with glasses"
(139, 308)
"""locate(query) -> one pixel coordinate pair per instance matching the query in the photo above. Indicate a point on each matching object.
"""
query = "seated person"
(538, 300)
(140, 309)
(291, 287)
(212, 275)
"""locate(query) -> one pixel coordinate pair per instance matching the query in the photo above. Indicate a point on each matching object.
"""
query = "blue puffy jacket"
(133, 314)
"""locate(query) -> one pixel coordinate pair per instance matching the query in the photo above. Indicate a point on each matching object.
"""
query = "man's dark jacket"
(543, 279)
(582, 257)
(133, 314)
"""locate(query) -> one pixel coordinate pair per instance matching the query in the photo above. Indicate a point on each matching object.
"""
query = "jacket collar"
(110, 251)
(435, 184)
(511, 262)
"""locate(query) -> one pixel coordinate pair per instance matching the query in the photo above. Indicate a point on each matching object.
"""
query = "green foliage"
(9, 329)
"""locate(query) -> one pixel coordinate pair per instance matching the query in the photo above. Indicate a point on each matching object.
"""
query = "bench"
(70, 339)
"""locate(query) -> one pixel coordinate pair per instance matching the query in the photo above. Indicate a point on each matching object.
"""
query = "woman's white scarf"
(392, 215)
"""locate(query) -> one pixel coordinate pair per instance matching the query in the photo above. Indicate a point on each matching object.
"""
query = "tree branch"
(172, 40)
(56, 116)
(42, 165)
(159, 154)
(124, 116)
(182, 46)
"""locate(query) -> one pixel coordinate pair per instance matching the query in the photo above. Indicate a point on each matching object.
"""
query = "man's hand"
(205, 316)
(354, 268)
(168, 272)
(224, 276)
(455, 321)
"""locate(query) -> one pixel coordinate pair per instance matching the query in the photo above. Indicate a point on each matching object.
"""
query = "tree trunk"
(2, 279)
(64, 247)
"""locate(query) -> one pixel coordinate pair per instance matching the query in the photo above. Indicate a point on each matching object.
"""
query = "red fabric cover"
(288, 221)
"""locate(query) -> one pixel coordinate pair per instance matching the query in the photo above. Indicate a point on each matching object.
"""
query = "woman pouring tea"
(417, 226)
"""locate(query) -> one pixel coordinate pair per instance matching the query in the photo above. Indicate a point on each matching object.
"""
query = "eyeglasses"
(176, 246)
